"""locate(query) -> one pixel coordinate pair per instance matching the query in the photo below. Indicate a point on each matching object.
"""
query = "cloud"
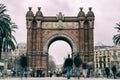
(106, 14)
(106, 20)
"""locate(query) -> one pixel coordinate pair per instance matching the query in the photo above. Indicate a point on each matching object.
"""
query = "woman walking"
(84, 67)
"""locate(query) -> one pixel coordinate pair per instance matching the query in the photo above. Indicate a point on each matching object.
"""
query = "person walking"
(84, 67)
(114, 70)
(77, 62)
(107, 71)
(40, 72)
(68, 65)
(51, 73)
(90, 68)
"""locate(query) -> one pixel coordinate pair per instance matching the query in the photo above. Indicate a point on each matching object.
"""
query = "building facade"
(10, 59)
(106, 57)
(42, 31)
(14, 58)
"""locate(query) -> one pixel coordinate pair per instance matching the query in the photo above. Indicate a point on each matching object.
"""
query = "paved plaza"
(57, 78)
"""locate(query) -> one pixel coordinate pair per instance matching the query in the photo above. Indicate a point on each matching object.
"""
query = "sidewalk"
(56, 78)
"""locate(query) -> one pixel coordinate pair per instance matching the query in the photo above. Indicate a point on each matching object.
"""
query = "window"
(100, 61)
(104, 64)
(104, 58)
(100, 58)
(108, 59)
(109, 65)
(96, 65)
(96, 60)
(114, 56)
(100, 65)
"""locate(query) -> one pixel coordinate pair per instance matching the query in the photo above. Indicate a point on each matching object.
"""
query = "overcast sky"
(107, 14)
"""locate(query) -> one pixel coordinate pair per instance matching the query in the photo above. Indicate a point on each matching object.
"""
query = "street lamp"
(16, 64)
(5, 60)
(16, 61)
(5, 67)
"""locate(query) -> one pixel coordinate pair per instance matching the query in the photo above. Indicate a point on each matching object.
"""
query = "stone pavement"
(56, 78)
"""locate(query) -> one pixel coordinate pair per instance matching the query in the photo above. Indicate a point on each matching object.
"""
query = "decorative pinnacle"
(90, 8)
(30, 8)
(39, 8)
(81, 8)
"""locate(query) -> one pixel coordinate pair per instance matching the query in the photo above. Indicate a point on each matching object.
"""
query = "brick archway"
(77, 31)
(60, 36)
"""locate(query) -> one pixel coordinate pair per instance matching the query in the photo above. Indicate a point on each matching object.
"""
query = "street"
(56, 78)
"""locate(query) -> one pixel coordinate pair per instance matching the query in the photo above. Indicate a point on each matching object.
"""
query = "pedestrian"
(84, 67)
(77, 62)
(114, 70)
(51, 74)
(43, 74)
(68, 65)
(107, 71)
(40, 72)
(89, 68)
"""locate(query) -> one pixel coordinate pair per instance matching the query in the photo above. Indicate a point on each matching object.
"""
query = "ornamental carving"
(64, 25)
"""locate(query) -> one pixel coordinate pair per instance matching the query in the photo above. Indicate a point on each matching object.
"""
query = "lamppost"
(5, 67)
(16, 67)
(6, 61)
(16, 64)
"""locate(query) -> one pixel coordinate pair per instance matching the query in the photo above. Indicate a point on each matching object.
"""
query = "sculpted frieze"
(64, 25)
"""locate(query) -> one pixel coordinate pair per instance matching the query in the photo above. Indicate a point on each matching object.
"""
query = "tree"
(23, 61)
(7, 40)
(116, 38)
(23, 64)
(52, 65)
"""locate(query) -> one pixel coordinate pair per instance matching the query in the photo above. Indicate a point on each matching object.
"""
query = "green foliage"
(7, 40)
(51, 65)
(116, 38)
(23, 61)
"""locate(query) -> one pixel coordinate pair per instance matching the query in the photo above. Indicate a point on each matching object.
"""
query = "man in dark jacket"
(68, 65)
(77, 62)
(114, 70)
(107, 70)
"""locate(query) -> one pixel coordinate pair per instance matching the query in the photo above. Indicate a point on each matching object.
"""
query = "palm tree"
(116, 38)
(7, 40)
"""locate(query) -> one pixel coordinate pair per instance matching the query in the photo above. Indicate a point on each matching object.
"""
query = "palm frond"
(2, 8)
(118, 24)
(116, 39)
(6, 28)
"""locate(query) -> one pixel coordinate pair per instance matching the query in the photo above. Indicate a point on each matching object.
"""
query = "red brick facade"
(77, 31)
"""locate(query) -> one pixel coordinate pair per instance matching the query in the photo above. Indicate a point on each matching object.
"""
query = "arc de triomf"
(42, 30)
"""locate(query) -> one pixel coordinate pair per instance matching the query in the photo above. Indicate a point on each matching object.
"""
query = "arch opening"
(59, 50)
